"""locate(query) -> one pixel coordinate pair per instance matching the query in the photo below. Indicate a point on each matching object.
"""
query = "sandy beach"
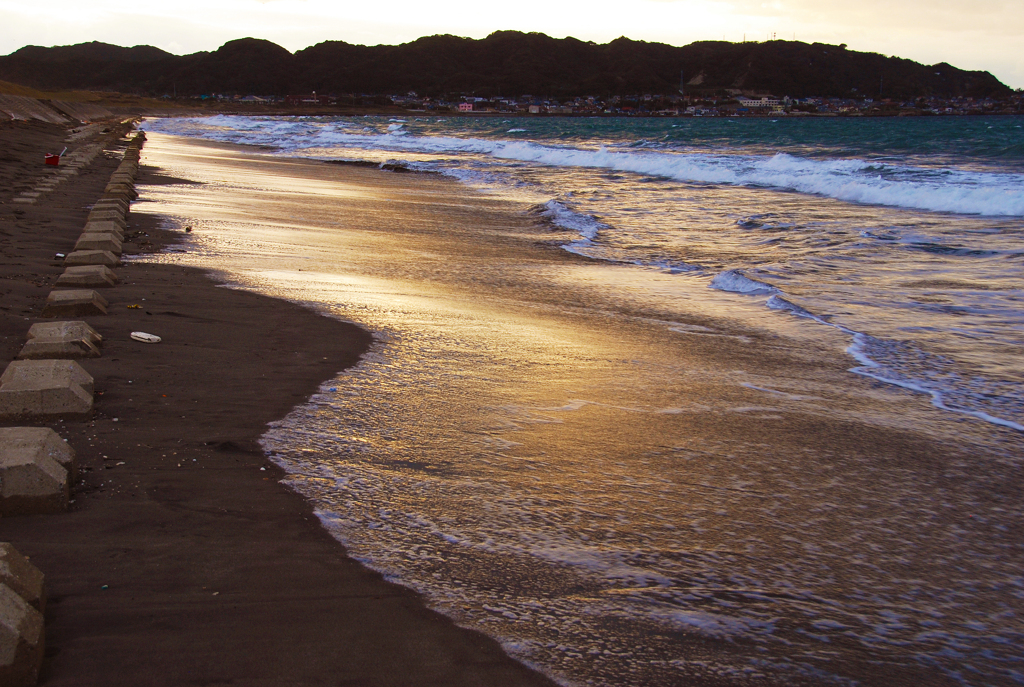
(183, 560)
(505, 376)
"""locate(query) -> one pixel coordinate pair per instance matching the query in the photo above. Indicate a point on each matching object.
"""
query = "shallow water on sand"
(627, 477)
(908, 231)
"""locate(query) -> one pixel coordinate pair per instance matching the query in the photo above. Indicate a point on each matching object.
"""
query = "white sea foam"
(777, 302)
(903, 365)
(868, 350)
(736, 282)
(857, 181)
(560, 215)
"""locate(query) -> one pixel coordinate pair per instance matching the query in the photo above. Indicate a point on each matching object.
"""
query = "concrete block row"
(69, 166)
(45, 381)
(122, 182)
(37, 467)
(100, 244)
(22, 601)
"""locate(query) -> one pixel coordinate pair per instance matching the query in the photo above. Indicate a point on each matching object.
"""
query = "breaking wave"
(851, 180)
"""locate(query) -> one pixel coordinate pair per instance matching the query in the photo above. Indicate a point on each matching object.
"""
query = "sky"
(970, 34)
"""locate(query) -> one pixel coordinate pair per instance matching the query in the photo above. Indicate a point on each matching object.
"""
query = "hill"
(507, 63)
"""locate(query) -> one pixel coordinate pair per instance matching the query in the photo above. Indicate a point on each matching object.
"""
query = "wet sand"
(596, 400)
(183, 559)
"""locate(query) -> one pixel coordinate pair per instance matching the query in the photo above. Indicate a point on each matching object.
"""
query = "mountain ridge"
(509, 63)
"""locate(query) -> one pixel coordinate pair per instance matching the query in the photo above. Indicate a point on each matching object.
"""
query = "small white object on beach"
(146, 338)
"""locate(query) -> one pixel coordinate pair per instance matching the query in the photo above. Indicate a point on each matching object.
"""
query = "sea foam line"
(857, 350)
(870, 368)
(856, 181)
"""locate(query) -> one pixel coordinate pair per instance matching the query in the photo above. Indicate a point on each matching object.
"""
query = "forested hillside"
(505, 63)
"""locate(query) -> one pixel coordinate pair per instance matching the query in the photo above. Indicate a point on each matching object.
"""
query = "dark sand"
(183, 561)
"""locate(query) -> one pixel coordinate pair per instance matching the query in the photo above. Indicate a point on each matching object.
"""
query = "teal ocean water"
(574, 514)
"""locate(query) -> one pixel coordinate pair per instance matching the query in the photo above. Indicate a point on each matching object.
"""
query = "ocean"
(743, 402)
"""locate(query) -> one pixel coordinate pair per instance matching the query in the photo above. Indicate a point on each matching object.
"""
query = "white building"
(762, 104)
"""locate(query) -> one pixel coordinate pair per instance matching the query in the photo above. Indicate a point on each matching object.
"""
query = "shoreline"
(451, 273)
(454, 274)
(183, 559)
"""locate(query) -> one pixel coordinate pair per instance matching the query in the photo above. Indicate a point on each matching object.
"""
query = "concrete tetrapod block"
(115, 203)
(110, 202)
(25, 373)
(22, 577)
(60, 340)
(21, 640)
(45, 389)
(74, 303)
(92, 257)
(116, 210)
(115, 231)
(125, 195)
(65, 330)
(109, 213)
(47, 349)
(115, 216)
(96, 241)
(28, 444)
(123, 190)
(119, 196)
(92, 276)
(102, 227)
(32, 483)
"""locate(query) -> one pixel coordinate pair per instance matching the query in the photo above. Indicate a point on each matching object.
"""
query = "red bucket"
(52, 159)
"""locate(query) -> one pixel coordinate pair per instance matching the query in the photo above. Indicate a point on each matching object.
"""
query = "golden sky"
(970, 34)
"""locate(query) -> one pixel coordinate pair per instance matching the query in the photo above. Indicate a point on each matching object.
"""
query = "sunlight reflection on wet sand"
(625, 476)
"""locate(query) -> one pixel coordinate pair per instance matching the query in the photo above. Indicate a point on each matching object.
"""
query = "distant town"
(647, 105)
